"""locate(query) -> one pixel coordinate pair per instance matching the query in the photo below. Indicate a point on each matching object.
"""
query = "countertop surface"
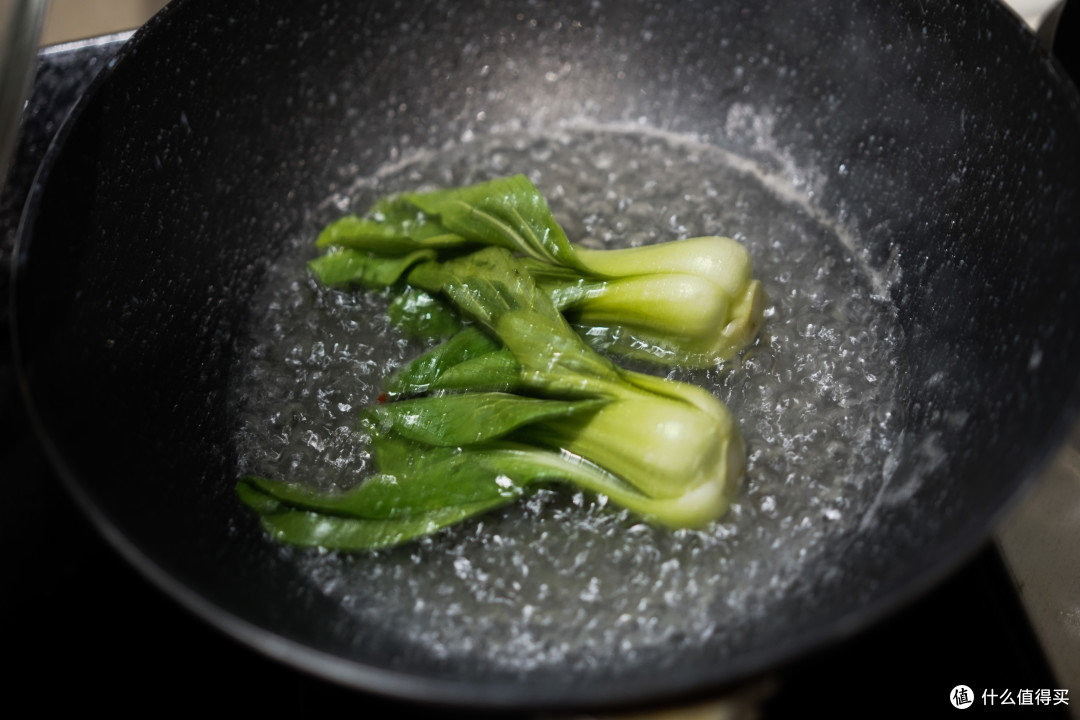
(1040, 540)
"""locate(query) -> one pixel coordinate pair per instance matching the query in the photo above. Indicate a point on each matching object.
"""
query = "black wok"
(194, 159)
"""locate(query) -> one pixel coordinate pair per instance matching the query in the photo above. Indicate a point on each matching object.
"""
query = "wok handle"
(1060, 33)
(20, 27)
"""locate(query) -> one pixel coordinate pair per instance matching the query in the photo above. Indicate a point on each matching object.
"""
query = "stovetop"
(86, 629)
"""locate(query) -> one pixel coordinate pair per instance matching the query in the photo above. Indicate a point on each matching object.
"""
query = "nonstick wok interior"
(936, 137)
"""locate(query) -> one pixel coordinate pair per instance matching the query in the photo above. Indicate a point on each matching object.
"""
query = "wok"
(931, 148)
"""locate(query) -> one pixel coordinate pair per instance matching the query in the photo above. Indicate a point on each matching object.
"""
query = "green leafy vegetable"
(417, 313)
(353, 266)
(691, 302)
(514, 401)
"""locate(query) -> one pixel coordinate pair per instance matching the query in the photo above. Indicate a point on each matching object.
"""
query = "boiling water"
(559, 578)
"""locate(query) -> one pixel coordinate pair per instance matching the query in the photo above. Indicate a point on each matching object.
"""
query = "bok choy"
(513, 401)
(689, 302)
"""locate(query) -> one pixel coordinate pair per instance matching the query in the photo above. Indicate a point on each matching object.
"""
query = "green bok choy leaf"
(690, 302)
(515, 400)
